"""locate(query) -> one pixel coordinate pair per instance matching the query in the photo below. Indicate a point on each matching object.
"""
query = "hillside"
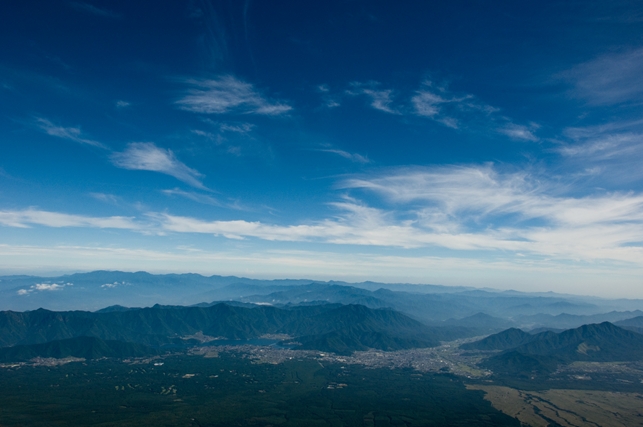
(504, 340)
(353, 327)
(542, 353)
(603, 342)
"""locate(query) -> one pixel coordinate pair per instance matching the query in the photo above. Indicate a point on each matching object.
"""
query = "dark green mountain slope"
(357, 326)
(519, 365)
(354, 316)
(603, 342)
(542, 353)
(346, 341)
(504, 340)
(85, 347)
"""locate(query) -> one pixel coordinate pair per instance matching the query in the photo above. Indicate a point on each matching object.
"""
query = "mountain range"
(522, 352)
(427, 303)
(327, 316)
(328, 327)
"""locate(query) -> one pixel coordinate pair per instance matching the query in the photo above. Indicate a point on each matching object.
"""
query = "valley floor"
(567, 408)
(232, 388)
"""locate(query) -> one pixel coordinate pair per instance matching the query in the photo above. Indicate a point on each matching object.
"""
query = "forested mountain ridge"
(352, 327)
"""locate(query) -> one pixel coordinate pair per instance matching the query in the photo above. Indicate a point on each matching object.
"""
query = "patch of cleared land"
(568, 408)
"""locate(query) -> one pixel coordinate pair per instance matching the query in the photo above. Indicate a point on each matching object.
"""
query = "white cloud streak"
(519, 132)
(460, 111)
(380, 99)
(460, 208)
(353, 157)
(28, 217)
(613, 151)
(329, 101)
(90, 8)
(428, 103)
(147, 156)
(242, 128)
(228, 94)
(196, 197)
(609, 79)
(106, 198)
(439, 104)
(39, 287)
(70, 133)
(476, 207)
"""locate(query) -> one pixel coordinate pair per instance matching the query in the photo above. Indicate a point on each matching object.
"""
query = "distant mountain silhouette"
(113, 308)
(427, 303)
(636, 322)
(569, 321)
(481, 322)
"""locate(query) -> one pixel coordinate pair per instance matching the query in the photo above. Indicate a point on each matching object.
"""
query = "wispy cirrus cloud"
(236, 136)
(71, 133)
(610, 79)
(227, 94)
(28, 217)
(94, 10)
(196, 197)
(223, 128)
(589, 229)
(329, 100)
(106, 198)
(605, 147)
(430, 101)
(457, 208)
(204, 199)
(217, 138)
(439, 104)
(613, 151)
(361, 226)
(380, 99)
(520, 132)
(458, 111)
(241, 128)
(353, 157)
(476, 193)
(147, 156)
(471, 208)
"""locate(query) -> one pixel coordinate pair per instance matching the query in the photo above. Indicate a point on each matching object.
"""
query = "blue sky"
(456, 143)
